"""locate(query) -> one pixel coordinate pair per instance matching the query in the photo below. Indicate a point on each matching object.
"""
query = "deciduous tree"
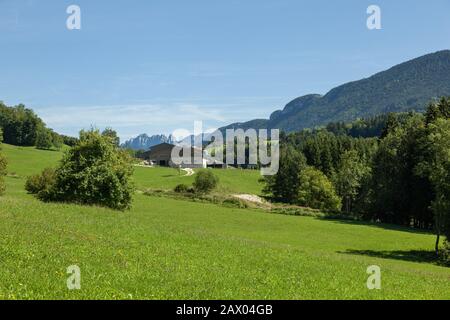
(316, 191)
(94, 172)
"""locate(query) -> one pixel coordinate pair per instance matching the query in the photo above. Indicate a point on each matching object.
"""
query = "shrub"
(446, 253)
(33, 184)
(235, 203)
(41, 184)
(181, 188)
(317, 192)
(205, 181)
(93, 172)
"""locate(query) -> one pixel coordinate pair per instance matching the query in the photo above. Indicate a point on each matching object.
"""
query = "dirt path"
(189, 172)
(250, 198)
(142, 166)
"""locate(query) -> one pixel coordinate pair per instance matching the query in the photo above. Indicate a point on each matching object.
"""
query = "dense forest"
(393, 168)
(22, 127)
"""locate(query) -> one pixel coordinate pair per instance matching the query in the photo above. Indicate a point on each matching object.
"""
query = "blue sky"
(156, 66)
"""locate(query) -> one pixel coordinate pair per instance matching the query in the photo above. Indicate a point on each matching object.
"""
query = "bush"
(446, 253)
(41, 184)
(235, 203)
(94, 172)
(205, 181)
(34, 184)
(181, 188)
(317, 192)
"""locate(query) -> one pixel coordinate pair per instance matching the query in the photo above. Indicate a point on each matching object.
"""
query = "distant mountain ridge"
(145, 142)
(409, 86)
(405, 87)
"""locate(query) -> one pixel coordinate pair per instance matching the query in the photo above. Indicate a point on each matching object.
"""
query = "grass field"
(231, 181)
(172, 249)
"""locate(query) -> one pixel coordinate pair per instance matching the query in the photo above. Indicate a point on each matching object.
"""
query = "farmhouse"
(161, 155)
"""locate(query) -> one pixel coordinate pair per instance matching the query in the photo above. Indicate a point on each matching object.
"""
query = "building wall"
(162, 154)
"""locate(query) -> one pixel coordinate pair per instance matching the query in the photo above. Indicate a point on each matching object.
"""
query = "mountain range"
(145, 142)
(409, 86)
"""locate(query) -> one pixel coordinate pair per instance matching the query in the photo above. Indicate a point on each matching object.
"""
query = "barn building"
(161, 155)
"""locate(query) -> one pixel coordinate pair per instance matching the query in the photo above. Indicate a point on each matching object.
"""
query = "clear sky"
(156, 66)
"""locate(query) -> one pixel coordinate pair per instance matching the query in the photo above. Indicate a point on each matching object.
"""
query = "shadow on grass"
(50, 150)
(422, 256)
(385, 226)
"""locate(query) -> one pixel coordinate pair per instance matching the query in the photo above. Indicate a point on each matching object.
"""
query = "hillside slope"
(171, 249)
(405, 87)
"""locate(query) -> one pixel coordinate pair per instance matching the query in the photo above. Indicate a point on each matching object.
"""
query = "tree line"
(393, 168)
(22, 127)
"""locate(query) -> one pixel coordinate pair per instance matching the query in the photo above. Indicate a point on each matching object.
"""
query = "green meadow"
(231, 180)
(174, 249)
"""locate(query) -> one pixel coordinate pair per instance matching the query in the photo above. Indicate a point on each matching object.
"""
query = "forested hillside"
(22, 127)
(405, 87)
